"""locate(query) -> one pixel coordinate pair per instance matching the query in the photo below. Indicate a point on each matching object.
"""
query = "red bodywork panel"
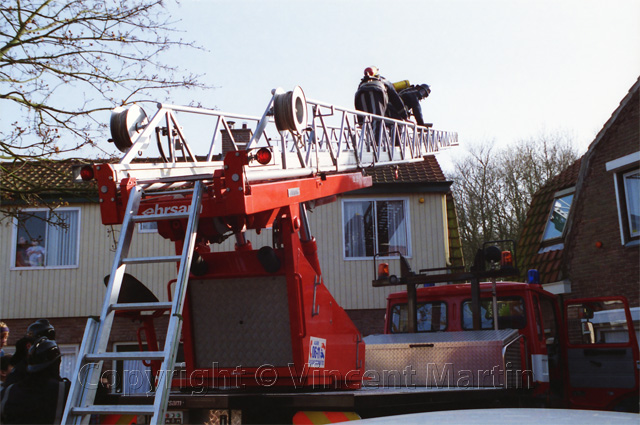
(322, 346)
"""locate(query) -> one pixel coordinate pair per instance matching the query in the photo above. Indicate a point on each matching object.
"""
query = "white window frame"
(556, 242)
(69, 357)
(621, 167)
(407, 218)
(142, 227)
(14, 240)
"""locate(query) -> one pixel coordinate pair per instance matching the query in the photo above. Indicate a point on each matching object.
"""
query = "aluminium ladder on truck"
(324, 149)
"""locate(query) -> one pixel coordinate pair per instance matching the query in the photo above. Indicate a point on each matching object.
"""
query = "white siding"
(350, 280)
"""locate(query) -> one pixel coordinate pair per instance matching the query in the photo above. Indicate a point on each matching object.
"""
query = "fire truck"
(252, 335)
(508, 334)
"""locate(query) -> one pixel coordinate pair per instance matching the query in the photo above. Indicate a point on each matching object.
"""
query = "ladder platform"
(141, 306)
(146, 260)
(155, 217)
(102, 409)
(126, 355)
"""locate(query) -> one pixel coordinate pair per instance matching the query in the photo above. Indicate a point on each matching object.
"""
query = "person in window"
(21, 252)
(41, 396)
(35, 254)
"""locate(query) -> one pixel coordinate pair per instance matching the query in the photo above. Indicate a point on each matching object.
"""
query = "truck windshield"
(432, 316)
(511, 314)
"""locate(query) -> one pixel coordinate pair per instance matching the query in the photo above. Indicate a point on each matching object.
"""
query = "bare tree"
(493, 188)
(62, 62)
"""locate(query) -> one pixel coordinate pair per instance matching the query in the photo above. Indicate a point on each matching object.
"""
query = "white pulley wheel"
(290, 111)
(125, 123)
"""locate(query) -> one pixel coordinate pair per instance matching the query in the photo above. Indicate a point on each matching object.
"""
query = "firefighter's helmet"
(41, 327)
(42, 354)
(371, 71)
(424, 90)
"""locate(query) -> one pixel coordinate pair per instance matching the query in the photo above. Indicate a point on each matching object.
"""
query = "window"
(148, 227)
(626, 179)
(597, 322)
(432, 316)
(558, 216)
(375, 227)
(44, 238)
(632, 199)
(511, 314)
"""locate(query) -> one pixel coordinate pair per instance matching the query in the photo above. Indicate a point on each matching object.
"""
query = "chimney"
(241, 136)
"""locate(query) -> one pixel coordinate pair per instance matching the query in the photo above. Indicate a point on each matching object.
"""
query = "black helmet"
(41, 327)
(42, 354)
(424, 90)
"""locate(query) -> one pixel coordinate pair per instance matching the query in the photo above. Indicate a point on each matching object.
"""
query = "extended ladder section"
(93, 352)
(306, 137)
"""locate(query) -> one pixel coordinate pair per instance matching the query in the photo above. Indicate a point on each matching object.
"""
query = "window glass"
(46, 238)
(597, 322)
(148, 227)
(558, 217)
(432, 316)
(511, 314)
(632, 197)
(372, 227)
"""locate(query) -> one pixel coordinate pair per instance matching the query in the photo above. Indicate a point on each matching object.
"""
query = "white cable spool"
(290, 110)
(125, 123)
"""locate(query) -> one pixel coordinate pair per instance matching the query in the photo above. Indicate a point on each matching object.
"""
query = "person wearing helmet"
(374, 95)
(411, 97)
(37, 329)
(41, 396)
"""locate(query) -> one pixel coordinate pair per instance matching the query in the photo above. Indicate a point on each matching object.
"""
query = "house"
(408, 209)
(582, 231)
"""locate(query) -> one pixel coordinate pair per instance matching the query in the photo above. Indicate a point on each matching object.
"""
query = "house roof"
(19, 180)
(548, 263)
(427, 171)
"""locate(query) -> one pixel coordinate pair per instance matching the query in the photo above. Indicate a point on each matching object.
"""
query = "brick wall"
(368, 321)
(612, 268)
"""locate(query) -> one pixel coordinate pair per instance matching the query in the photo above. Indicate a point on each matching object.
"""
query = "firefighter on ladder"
(411, 97)
(374, 95)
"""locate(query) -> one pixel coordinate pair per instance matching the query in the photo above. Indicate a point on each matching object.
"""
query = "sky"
(499, 70)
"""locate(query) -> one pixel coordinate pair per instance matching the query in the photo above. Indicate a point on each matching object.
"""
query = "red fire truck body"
(584, 357)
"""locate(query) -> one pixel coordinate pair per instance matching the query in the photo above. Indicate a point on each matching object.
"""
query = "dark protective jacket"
(411, 100)
(374, 94)
(35, 400)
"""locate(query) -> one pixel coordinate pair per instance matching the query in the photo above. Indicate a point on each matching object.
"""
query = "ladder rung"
(126, 355)
(145, 260)
(156, 217)
(142, 306)
(124, 409)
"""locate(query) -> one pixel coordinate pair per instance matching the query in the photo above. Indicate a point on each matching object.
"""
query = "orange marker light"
(506, 259)
(383, 270)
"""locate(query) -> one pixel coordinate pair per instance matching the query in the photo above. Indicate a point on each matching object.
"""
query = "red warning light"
(263, 156)
(383, 270)
(86, 173)
(507, 259)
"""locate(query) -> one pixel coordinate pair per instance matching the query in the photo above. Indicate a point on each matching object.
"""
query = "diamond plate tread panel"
(443, 359)
(240, 322)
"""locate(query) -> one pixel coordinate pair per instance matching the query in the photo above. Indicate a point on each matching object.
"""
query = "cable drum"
(290, 111)
(125, 123)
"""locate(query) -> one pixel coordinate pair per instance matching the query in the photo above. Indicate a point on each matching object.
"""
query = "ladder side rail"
(213, 138)
(262, 124)
(328, 133)
(351, 139)
(341, 136)
(183, 140)
(309, 143)
(75, 397)
(172, 147)
(172, 340)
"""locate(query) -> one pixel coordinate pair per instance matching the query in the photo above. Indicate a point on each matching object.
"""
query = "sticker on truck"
(317, 351)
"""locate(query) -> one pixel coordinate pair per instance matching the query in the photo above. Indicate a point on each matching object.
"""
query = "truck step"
(126, 355)
(147, 260)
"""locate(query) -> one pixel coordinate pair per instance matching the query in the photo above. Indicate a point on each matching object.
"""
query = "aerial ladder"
(299, 151)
